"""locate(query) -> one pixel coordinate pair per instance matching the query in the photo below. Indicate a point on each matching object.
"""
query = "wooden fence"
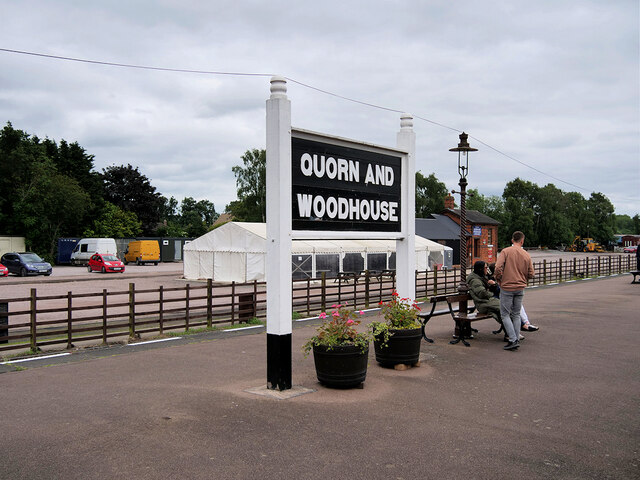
(37, 321)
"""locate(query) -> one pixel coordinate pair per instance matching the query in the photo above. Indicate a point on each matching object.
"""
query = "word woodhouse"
(38, 321)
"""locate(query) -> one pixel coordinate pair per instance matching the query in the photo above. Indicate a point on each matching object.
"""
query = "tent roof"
(252, 237)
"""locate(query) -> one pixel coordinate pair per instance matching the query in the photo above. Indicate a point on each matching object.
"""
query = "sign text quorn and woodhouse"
(338, 188)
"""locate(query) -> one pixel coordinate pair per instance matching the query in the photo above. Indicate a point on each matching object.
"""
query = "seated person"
(479, 289)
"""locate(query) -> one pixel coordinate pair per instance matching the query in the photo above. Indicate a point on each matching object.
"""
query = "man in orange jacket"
(513, 268)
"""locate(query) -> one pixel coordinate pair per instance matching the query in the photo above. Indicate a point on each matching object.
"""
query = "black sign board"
(340, 188)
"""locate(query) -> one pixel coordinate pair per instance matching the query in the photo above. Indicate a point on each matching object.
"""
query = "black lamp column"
(463, 150)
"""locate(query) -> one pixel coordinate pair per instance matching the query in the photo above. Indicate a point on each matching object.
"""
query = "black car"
(25, 263)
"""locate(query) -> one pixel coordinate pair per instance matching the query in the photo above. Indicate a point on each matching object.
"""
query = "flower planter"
(342, 366)
(403, 347)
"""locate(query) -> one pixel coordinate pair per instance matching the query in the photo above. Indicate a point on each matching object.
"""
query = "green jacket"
(482, 297)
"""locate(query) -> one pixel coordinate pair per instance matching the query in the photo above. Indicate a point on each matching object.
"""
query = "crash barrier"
(36, 321)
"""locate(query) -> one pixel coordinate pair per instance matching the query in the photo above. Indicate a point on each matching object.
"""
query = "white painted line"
(583, 279)
(555, 283)
(34, 358)
(153, 341)
(243, 328)
(570, 281)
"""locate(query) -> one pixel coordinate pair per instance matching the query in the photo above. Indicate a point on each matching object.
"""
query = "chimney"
(449, 202)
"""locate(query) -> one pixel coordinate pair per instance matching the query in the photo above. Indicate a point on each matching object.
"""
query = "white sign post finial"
(278, 87)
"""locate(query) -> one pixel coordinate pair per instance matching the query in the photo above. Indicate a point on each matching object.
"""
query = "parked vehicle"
(26, 263)
(580, 244)
(86, 247)
(4, 271)
(142, 251)
(105, 262)
(630, 249)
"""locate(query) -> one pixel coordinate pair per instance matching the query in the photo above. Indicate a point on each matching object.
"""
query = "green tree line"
(547, 215)
(51, 189)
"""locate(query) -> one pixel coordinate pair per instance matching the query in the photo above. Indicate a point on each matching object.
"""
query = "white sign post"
(325, 187)
(278, 269)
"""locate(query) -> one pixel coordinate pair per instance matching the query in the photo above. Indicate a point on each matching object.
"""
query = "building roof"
(474, 216)
(437, 227)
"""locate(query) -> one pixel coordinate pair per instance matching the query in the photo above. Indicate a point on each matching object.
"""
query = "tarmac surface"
(566, 405)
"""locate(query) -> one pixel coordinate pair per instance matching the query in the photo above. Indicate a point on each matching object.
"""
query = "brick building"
(483, 230)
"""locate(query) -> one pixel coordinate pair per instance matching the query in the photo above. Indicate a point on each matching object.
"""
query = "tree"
(636, 224)
(521, 207)
(130, 190)
(602, 226)
(554, 227)
(430, 195)
(197, 217)
(251, 205)
(114, 222)
(624, 224)
(50, 206)
(492, 206)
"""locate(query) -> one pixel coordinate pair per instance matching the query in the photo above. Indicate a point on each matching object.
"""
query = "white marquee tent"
(236, 251)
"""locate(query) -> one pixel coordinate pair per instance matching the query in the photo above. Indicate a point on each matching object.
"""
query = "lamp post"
(463, 150)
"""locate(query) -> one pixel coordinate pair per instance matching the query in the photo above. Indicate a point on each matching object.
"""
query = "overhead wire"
(292, 80)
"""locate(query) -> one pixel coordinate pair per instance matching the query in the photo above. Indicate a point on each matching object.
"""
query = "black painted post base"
(279, 361)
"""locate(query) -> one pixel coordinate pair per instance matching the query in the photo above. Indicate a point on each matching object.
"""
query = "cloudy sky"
(548, 90)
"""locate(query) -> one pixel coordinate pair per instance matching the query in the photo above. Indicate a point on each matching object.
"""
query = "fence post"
(32, 323)
(435, 281)
(587, 267)
(69, 320)
(104, 316)
(560, 270)
(544, 271)
(367, 278)
(186, 308)
(575, 272)
(4, 321)
(161, 309)
(209, 303)
(355, 290)
(233, 302)
(323, 294)
(308, 294)
(132, 310)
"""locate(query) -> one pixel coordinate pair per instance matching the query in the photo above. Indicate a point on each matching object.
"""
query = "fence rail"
(89, 318)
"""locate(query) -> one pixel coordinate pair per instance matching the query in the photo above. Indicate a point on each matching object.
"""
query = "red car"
(4, 271)
(105, 262)
(630, 249)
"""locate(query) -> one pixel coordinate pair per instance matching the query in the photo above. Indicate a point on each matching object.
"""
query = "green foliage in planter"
(337, 329)
(399, 314)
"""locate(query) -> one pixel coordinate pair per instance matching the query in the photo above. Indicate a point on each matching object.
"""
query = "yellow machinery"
(585, 245)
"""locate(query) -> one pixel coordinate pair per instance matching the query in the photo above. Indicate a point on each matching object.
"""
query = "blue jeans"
(510, 305)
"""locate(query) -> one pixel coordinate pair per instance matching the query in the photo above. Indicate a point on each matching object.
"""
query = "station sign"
(339, 187)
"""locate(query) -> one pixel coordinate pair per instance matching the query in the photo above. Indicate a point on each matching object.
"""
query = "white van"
(88, 246)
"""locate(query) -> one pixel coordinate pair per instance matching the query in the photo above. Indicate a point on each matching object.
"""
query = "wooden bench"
(635, 273)
(462, 319)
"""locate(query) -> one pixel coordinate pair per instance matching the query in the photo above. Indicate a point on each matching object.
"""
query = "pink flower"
(349, 322)
(361, 312)
(322, 316)
(336, 314)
